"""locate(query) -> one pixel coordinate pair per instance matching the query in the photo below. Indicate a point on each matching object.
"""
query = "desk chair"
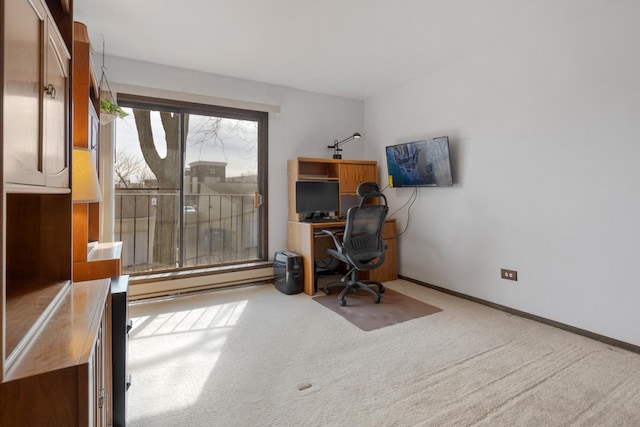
(362, 247)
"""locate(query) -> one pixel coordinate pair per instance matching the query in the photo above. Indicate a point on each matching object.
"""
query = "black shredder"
(288, 272)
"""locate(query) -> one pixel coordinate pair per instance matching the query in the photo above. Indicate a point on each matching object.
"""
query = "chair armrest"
(335, 239)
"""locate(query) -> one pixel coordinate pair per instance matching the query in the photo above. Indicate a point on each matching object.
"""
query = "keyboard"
(336, 231)
(323, 220)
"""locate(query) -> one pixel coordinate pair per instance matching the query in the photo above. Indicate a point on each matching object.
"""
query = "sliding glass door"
(189, 185)
(221, 221)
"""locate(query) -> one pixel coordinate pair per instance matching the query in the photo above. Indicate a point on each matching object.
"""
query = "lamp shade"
(85, 187)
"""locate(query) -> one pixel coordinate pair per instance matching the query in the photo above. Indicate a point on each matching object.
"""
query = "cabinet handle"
(50, 90)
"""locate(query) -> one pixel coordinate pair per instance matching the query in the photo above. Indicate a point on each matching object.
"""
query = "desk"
(305, 239)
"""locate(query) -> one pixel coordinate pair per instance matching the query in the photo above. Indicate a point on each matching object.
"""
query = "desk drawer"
(389, 230)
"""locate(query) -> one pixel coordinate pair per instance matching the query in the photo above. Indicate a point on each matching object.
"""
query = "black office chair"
(362, 247)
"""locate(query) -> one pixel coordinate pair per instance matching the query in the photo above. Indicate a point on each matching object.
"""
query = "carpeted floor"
(255, 357)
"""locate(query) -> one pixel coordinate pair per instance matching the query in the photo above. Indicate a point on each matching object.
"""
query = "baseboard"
(604, 339)
(181, 282)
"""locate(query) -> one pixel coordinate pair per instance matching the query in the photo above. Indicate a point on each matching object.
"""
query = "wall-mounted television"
(423, 163)
(317, 198)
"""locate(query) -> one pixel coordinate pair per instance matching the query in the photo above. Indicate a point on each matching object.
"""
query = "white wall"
(306, 124)
(544, 128)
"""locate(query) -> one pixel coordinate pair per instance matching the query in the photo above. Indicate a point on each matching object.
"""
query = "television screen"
(317, 197)
(420, 163)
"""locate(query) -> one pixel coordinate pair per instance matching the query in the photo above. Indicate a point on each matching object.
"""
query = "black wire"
(415, 194)
(410, 202)
(405, 204)
(412, 199)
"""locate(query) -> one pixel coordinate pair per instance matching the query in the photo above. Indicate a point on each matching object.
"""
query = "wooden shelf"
(103, 260)
(27, 306)
(348, 173)
(67, 337)
(308, 177)
(11, 188)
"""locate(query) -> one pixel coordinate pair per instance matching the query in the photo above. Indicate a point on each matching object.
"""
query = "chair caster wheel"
(326, 291)
(382, 289)
(376, 300)
(343, 303)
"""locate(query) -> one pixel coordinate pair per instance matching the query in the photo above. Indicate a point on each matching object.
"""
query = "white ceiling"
(351, 48)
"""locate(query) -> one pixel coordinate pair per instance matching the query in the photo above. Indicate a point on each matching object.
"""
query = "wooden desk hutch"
(304, 238)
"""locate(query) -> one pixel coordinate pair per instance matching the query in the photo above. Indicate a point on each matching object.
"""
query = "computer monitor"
(317, 198)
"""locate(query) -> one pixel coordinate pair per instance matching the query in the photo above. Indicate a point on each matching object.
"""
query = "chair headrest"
(368, 190)
(367, 187)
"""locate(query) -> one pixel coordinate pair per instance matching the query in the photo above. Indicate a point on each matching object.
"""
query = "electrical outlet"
(509, 274)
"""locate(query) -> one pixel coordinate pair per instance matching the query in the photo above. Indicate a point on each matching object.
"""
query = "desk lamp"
(336, 144)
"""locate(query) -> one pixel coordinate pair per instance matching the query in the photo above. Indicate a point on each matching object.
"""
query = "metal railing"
(209, 229)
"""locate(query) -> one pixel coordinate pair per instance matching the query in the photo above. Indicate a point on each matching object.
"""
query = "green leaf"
(109, 107)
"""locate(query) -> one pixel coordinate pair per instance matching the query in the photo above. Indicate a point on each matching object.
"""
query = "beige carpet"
(394, 307)
(256, 357)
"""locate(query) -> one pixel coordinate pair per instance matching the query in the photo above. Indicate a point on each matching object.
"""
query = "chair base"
(350, 282)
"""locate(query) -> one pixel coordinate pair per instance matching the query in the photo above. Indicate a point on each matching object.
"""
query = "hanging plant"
(109, 110)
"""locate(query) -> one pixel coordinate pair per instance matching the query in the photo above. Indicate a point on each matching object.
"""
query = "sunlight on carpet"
(177, 343)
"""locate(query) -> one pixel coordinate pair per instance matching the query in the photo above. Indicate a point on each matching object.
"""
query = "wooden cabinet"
(352, 174)
(62, 379)
(56, 110)
(55, 334)
(91, 259)
(349, 173)
(389, 269)
(85, 91)
(35, 99)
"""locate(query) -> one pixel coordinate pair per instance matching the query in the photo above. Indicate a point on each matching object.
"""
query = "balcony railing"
(210, 229)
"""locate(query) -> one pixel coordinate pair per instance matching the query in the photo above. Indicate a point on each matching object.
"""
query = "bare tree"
(167, 173)
(210, 132)
(130, 169)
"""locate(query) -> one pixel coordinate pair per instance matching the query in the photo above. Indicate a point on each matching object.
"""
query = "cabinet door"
(56, 129)
(25, 26)
(351, 175)
(99, 403)
(94, 407)
(389, 269)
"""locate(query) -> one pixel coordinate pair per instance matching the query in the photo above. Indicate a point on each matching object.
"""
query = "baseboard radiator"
(181, 282)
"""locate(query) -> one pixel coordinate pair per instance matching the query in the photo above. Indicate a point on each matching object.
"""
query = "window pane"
(147, 189)
(220, 179)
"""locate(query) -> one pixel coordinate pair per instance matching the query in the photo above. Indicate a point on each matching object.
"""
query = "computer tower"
(288, 272)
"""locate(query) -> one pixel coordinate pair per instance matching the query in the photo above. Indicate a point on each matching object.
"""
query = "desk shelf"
(348, 173)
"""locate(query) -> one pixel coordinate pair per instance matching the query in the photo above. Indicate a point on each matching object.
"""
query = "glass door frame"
(262, 120)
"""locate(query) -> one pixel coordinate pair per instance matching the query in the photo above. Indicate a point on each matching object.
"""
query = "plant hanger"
(109, 110)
